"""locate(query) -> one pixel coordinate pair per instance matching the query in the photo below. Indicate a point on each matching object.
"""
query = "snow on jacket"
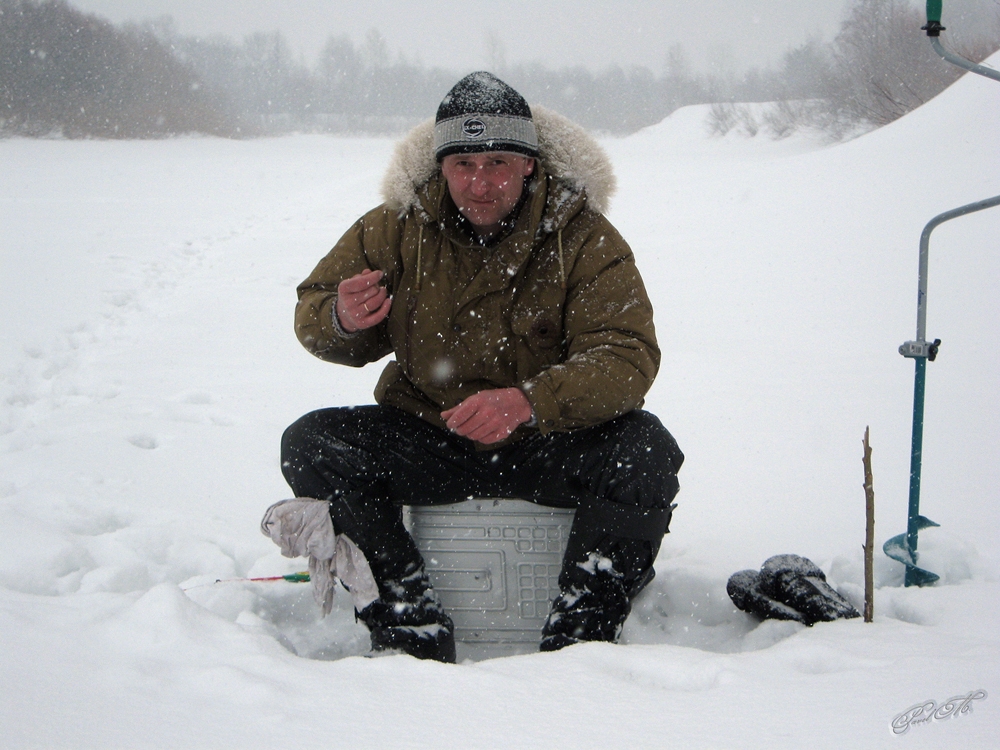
(556, 308)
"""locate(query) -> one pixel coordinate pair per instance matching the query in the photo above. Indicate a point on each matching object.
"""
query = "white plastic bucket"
(495, 564)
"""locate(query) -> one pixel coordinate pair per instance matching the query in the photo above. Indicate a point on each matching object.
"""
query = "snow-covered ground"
(148, 367)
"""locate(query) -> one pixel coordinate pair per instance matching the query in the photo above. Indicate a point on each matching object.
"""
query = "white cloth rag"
(302, 527)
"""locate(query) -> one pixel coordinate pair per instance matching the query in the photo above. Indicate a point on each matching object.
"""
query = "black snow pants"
(369, 461)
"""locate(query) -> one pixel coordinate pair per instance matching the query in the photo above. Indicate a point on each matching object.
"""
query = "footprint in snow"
(146, 442)
(196, 397)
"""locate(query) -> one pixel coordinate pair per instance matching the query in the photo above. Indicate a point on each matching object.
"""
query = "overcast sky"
(558, 33)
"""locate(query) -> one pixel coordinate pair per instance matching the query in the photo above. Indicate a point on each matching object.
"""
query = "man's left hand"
(489, 416)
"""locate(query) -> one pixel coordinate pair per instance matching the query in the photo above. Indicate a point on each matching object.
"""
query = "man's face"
(486, 187)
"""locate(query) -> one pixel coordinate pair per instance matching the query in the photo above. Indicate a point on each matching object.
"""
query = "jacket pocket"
(541, 331)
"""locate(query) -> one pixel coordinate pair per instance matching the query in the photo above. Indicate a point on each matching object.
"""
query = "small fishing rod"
(302, 577)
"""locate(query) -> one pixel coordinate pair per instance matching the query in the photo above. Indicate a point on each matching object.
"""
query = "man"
(524, 345)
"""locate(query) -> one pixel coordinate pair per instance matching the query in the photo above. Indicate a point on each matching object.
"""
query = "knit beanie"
(482, 113)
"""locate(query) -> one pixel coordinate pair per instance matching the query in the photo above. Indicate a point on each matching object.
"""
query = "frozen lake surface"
(148, 368)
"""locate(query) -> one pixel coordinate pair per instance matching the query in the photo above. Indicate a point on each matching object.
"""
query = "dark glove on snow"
(788, 587)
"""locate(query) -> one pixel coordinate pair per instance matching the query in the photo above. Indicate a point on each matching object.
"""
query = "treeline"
(261, 86)
(74, 74)
(64, 72)
(361, 88)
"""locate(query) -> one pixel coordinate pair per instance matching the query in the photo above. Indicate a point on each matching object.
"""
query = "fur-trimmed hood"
(567, 152)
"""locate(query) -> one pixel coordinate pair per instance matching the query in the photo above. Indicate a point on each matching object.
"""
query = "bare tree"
(878, 68)
(883, 67)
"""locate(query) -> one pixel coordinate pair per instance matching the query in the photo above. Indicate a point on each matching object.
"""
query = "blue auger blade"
(923, 522)
(920, 577)
(898, 549)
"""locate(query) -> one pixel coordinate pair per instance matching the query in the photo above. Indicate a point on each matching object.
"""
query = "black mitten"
(799, 583)
(789, 587)
(744, 589)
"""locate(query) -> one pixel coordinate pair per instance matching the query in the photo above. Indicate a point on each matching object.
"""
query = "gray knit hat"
(482, 113)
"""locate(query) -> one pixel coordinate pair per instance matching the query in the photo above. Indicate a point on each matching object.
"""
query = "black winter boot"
(592, 609)
(408, 617)
(596, 595)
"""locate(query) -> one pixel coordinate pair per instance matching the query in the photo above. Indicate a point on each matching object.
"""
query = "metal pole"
(916, 449)
(922, 350)
(962, 62)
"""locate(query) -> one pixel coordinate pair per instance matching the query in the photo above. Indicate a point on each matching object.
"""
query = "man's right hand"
(362, 302)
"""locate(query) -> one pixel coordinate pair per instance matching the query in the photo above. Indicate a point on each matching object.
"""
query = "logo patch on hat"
(473, 127)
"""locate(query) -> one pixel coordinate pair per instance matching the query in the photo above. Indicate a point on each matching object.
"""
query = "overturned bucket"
(495, 564)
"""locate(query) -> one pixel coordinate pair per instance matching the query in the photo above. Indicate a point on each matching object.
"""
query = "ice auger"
(904, 546)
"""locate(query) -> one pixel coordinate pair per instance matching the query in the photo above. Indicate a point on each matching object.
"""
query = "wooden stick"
(869, 532)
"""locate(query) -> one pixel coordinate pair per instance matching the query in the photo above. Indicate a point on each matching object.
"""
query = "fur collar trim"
(567, 152)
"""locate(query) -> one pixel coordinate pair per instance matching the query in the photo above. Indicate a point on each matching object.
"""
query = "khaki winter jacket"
(557, 308)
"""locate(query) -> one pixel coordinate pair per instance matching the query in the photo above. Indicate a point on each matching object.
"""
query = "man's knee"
(653, 441)
(294, 437)
(318, 428)
(640, 461)
(317, 449)
(299, 440)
